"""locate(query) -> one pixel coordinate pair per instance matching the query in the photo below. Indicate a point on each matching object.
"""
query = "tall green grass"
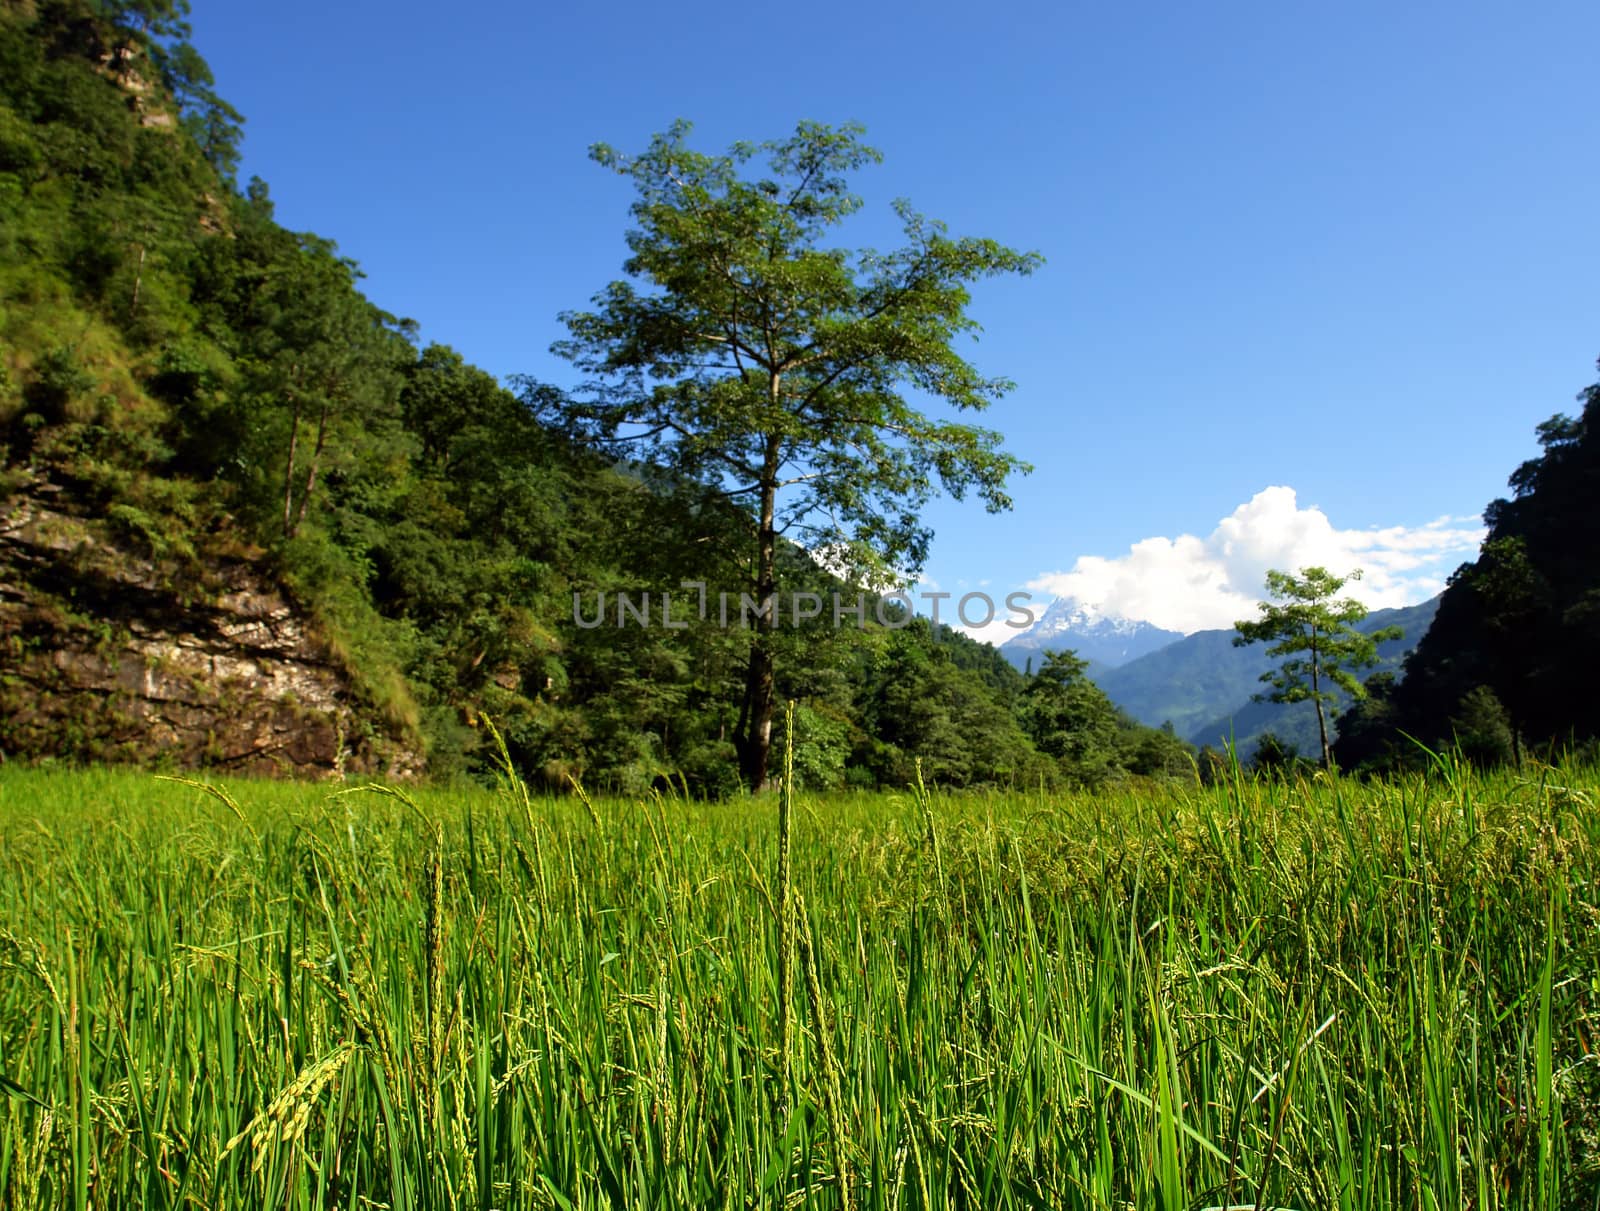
(1316, 995)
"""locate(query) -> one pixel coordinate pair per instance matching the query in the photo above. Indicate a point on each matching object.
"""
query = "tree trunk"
(1316, 697)
(288, 471)
(741, 733)
(760, 687)
(311, 471)
(758, 744)
(138, 282)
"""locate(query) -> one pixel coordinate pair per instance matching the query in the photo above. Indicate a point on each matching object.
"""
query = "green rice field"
(1321, 994)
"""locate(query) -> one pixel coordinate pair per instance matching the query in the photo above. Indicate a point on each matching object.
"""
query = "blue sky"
(1346, 252)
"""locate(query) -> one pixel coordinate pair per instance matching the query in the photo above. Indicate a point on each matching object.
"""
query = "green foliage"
(1368, 740)
(915, 702)
(1482, 729)
(58, 378)
(1160, 753)
(758, 341)
(1214, 767)
(759, 359)
(1522, 621)
(1275, 757)
(710, 769)
(148, 532)
(371, 649)
(819, 762)
(1069, 718)
(1315, 635)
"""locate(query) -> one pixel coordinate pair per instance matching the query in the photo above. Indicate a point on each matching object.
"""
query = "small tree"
(1274, 756)
(1316, 635)
(753, 354)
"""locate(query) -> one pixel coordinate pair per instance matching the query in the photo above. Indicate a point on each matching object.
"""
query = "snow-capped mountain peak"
(1104, 640)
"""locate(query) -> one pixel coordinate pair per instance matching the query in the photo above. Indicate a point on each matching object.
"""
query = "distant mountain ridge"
(1105, 641)
(1203, 685)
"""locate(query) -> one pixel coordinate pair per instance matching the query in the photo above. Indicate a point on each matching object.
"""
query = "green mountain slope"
(1203, 684)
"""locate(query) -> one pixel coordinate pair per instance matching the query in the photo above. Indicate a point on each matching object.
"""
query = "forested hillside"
(188, 387)
(1509, 664)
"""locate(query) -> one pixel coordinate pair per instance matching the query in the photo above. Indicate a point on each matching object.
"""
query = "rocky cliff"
(110, 654)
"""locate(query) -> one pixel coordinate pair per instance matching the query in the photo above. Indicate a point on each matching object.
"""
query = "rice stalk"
(822, 1031)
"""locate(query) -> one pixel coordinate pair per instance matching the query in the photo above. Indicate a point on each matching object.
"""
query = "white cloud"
(953, 608)
(997, 633)
(1194, 584)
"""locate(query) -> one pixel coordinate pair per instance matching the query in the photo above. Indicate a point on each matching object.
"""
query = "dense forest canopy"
(1511, 659)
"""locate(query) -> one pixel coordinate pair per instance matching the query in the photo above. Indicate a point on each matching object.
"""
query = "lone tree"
(1317, 635)
(752, 354)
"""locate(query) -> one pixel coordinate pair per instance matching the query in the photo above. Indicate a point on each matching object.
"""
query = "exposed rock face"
(108, 655)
